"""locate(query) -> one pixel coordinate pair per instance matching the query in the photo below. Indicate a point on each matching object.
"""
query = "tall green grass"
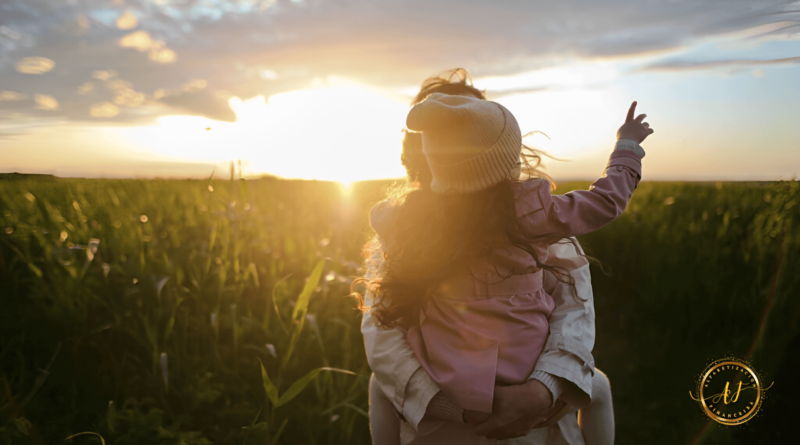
(193, 312)
(140, 310)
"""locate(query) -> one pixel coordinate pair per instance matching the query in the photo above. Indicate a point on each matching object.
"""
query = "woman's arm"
(397, 371)
(567, 355)
(568, 363)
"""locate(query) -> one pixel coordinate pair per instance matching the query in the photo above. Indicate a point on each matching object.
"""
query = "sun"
(343, 132)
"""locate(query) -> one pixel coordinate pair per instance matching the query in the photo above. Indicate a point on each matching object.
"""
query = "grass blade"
(274, 440)
(301, 384)
(272, 390)
(275, 303)
(87, 432)
(301, 308)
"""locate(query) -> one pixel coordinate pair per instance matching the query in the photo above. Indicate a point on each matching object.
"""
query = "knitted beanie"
(470, 144)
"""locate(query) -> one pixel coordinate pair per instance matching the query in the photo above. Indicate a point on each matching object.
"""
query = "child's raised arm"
(584, 211)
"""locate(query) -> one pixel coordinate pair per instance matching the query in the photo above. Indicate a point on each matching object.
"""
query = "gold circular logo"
(730, 391)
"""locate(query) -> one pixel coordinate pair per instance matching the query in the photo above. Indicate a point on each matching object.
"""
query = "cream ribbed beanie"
(470, 144)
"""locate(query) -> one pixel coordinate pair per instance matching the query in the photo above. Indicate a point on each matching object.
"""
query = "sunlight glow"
(347, 187)
(578, 75)
(349, 132)
(576, 120)
(345, 132)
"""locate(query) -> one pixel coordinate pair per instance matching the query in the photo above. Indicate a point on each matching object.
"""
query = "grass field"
(197, 312)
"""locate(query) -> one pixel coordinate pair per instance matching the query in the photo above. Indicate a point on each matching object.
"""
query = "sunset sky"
(320, 89)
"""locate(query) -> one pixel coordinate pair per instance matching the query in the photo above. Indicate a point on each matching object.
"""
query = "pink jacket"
(480, 330)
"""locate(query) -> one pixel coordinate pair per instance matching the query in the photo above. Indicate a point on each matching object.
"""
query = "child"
(464, 259)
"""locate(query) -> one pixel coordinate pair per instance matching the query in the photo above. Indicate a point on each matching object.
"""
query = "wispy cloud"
(249, 47)
(684, 65)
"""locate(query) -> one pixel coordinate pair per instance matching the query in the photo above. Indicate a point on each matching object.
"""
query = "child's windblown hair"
(432, 236)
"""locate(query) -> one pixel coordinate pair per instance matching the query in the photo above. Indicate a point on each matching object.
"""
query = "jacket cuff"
(630, 145)
(418, 394)
(566, 358)
(442, 408)
(624, 158)
(551, 382)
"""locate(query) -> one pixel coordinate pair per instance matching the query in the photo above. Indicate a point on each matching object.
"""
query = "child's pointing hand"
(634, 129)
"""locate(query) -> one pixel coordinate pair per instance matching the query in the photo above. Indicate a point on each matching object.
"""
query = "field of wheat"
(199, 312)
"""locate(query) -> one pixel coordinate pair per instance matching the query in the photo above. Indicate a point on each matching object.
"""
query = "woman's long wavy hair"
(435, 236)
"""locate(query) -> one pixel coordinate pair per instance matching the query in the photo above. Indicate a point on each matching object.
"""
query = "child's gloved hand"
(634, 129)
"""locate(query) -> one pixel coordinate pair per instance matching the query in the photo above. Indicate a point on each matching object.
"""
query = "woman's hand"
(474, 417)
(634, 129)
(516, 409)
(522, 426)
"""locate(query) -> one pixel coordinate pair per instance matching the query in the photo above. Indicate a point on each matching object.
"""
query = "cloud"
(201, 103)
(127, 21)
(10, 95)
(685, 65)
(35, 65)
(263, 47)
(103, 74)
(45, 102)
(142, 42)
(104, 110)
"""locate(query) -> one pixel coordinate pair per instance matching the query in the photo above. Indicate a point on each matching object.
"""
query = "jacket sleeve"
(581, 211)
(568, 350)
(396, 369)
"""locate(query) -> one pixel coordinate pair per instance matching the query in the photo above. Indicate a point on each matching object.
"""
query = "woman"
(564, 378)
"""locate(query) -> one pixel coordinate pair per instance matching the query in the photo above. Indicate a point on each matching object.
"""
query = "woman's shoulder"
(529, 195)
